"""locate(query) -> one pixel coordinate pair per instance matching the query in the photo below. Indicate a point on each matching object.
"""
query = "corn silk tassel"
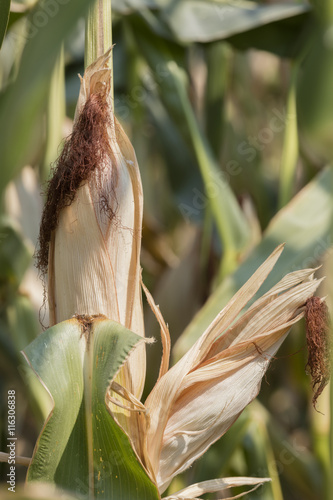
(90, 242)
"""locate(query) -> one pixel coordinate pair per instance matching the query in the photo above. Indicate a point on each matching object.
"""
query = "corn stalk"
(98, 38)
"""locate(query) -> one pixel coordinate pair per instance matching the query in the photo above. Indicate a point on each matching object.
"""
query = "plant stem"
(98, 38)
(290, 144)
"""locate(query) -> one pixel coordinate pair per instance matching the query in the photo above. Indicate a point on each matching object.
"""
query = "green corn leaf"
(4, 16)
(290, 144)
(314, 96)
(280, 28)
(22, 103)
(20, 319)
(300, 467)
(171, 79)
(259, 454)
(218, 72)
(15, 254)
(181, 168)
(305, 226)
(204, 21)
(128, 6)
(81, 448)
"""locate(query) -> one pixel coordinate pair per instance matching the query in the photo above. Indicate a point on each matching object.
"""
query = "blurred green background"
(229, 106)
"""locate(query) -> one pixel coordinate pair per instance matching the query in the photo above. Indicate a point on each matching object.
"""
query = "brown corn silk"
(87, 148)
(319, 343)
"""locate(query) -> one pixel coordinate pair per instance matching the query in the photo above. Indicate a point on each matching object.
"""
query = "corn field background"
(229, 107)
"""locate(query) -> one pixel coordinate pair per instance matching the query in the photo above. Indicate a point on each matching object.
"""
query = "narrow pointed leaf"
(15, 252)
(127, 6)
(81, 448)
(204, 21)
(173, 88)
(22, 103)
(305, 226)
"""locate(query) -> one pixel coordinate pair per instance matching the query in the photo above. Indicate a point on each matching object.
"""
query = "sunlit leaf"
(22, 103)
(204, 21)
(81, 448)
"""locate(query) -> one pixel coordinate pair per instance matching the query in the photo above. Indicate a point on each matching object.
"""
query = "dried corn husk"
(197, 400)
(90, 236)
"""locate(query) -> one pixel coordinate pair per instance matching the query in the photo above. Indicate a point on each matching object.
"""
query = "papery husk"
(164, 393)
(197, 401)
(216, 486)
